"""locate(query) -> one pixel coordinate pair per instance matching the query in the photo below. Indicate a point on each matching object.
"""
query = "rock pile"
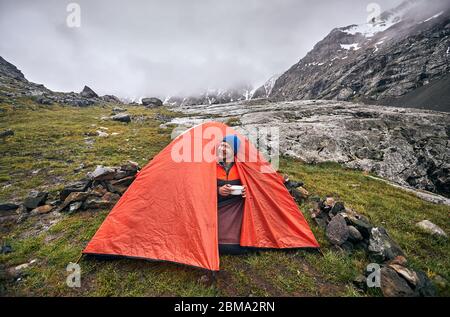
(101, 189)
(347, 231)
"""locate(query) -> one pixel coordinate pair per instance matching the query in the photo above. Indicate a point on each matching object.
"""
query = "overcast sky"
(145, 48)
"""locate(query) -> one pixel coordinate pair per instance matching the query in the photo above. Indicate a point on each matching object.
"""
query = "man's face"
(225, 152)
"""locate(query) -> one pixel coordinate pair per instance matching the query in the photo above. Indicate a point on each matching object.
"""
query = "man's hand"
(244, 191)
(225, 190)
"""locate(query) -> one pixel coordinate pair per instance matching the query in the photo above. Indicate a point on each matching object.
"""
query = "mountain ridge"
(404, 49)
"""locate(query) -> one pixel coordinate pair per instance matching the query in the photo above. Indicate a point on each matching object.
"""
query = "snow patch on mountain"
(348, 47)
(434, 17)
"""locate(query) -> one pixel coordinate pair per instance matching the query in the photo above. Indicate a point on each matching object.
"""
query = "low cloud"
(139, 48)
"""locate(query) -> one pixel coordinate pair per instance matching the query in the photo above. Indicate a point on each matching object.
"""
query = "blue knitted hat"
(233, 141)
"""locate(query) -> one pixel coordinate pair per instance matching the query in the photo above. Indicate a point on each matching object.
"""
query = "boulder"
(431, 228)
(381, 247)
(337, 230)
(152, 102)
(122, 117)
(35, 199)
(88, 93)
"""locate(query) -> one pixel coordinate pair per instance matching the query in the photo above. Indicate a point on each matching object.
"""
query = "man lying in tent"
(230, 206)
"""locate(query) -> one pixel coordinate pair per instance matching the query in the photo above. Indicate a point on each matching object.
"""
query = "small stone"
(337, 208)
(382, 247)
(329, 201)
(431, 228)
(337, 230)
(106, 201)
(392, 285)
(425, 286)
(359, 222)
(440, 282)
(354, 234)
(73, 197)
(6, 133)
(118, 109)
(45, 209)
(102, 134)
(130, 167)
(98, 191)
(204, 280)
(102, 173)
(79, 186)
(6, 249)
(35, 199)
(8, 207)
(407, 274)
(75, 206)
(360, 282)
(122, 117)
(399, 260)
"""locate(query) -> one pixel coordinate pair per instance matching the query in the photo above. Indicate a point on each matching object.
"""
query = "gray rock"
(102, 173)
(88, 93)
(381, 247)
(75, 206)
(6, 207)
(110, 98)
(392, 285)
(35, 199)
(44, 100)
(6, 133)
(152, 102)
(72, 198)
(431, 228)
(122, 117)
(406, 146)
(78, 186)
(354, 234)
(106, 201)
(337, 230)
(118, 110)
(337, 208)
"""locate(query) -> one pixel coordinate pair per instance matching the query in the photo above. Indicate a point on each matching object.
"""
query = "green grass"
(51, 139)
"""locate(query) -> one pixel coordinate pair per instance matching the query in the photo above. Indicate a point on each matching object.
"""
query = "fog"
(158, 48)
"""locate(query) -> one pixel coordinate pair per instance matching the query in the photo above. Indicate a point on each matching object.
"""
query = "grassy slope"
(51, 140)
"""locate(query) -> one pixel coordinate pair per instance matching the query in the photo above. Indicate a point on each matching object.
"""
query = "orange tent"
(169, 212)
